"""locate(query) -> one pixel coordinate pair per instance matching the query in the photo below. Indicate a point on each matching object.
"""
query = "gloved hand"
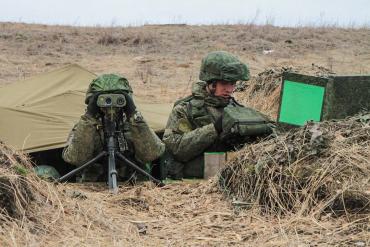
(218, 124)
(92, 108)
(130, 107)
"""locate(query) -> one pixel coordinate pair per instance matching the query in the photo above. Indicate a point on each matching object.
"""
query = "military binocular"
(111, 100)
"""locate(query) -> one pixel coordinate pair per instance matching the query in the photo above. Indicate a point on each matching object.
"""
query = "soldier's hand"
(130, 107)
(92, 108)
(218, 124)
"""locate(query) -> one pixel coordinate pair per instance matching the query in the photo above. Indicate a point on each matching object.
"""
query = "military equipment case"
(304, 98)
(245, 121)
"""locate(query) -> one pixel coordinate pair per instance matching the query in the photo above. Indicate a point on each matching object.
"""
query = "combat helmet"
(223, 66)
(108, 83)
(46, 172)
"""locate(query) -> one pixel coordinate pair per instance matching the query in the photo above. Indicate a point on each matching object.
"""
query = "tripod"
(112, 153)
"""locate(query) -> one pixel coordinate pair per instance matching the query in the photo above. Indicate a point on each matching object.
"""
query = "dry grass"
(179, 214)
(319, 171)
(161, 62)
(309, 170)
(174, 52)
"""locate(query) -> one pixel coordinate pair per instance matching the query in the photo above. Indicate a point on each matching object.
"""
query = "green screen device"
(301, 99)
(304, 98)
(301, 103)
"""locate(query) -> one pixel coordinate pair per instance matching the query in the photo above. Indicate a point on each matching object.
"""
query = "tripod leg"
(73, 172)
(128, 162)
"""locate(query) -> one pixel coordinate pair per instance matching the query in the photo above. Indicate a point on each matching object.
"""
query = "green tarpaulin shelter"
(37, 114)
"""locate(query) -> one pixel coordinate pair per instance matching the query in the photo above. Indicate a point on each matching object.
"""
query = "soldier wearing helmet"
(195, 124)
(137, 142)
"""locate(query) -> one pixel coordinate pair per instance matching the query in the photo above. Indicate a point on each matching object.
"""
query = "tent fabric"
(37, 114)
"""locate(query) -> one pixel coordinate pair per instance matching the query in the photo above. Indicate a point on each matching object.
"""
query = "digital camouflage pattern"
(137, 141)
(190, 128)
(223, 66)
(190, 132)
(86, 140)
(108, 83)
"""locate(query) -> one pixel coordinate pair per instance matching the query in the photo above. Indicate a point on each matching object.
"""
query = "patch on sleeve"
(184, 125)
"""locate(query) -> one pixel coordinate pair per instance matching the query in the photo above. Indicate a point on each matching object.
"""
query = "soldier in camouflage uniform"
(195, 124)
(137, 141)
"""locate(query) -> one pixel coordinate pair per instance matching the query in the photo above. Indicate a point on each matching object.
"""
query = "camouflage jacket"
(86, 140)
(190, 130)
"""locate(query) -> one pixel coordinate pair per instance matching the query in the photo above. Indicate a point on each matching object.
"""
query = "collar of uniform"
(199, 92)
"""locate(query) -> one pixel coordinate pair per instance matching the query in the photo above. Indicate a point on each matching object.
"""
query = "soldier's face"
(224, 89)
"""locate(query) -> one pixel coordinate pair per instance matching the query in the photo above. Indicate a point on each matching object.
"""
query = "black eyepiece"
(120, 101)
(108, 101)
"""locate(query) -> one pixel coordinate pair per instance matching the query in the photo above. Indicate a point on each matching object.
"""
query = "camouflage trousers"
(97, 173)
(179, 170)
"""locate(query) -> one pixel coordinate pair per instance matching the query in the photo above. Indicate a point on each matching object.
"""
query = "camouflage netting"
(321, 167)
(17, 185)
(262, 92)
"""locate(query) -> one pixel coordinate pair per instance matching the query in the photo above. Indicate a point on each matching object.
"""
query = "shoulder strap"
(235, 103)
(197, 111)
(186, 99)
(196, 108)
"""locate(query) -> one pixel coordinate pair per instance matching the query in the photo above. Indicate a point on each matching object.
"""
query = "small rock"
(141, 59)
(141, 227)
(360, 243)
(266, 52)
(76, 194)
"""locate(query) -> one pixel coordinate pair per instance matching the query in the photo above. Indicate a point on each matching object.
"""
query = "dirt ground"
(161, 62)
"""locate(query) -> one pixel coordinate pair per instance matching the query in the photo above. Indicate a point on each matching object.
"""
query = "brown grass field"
(161, 62)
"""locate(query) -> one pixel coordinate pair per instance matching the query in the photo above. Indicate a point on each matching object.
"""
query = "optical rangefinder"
(111, 100)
